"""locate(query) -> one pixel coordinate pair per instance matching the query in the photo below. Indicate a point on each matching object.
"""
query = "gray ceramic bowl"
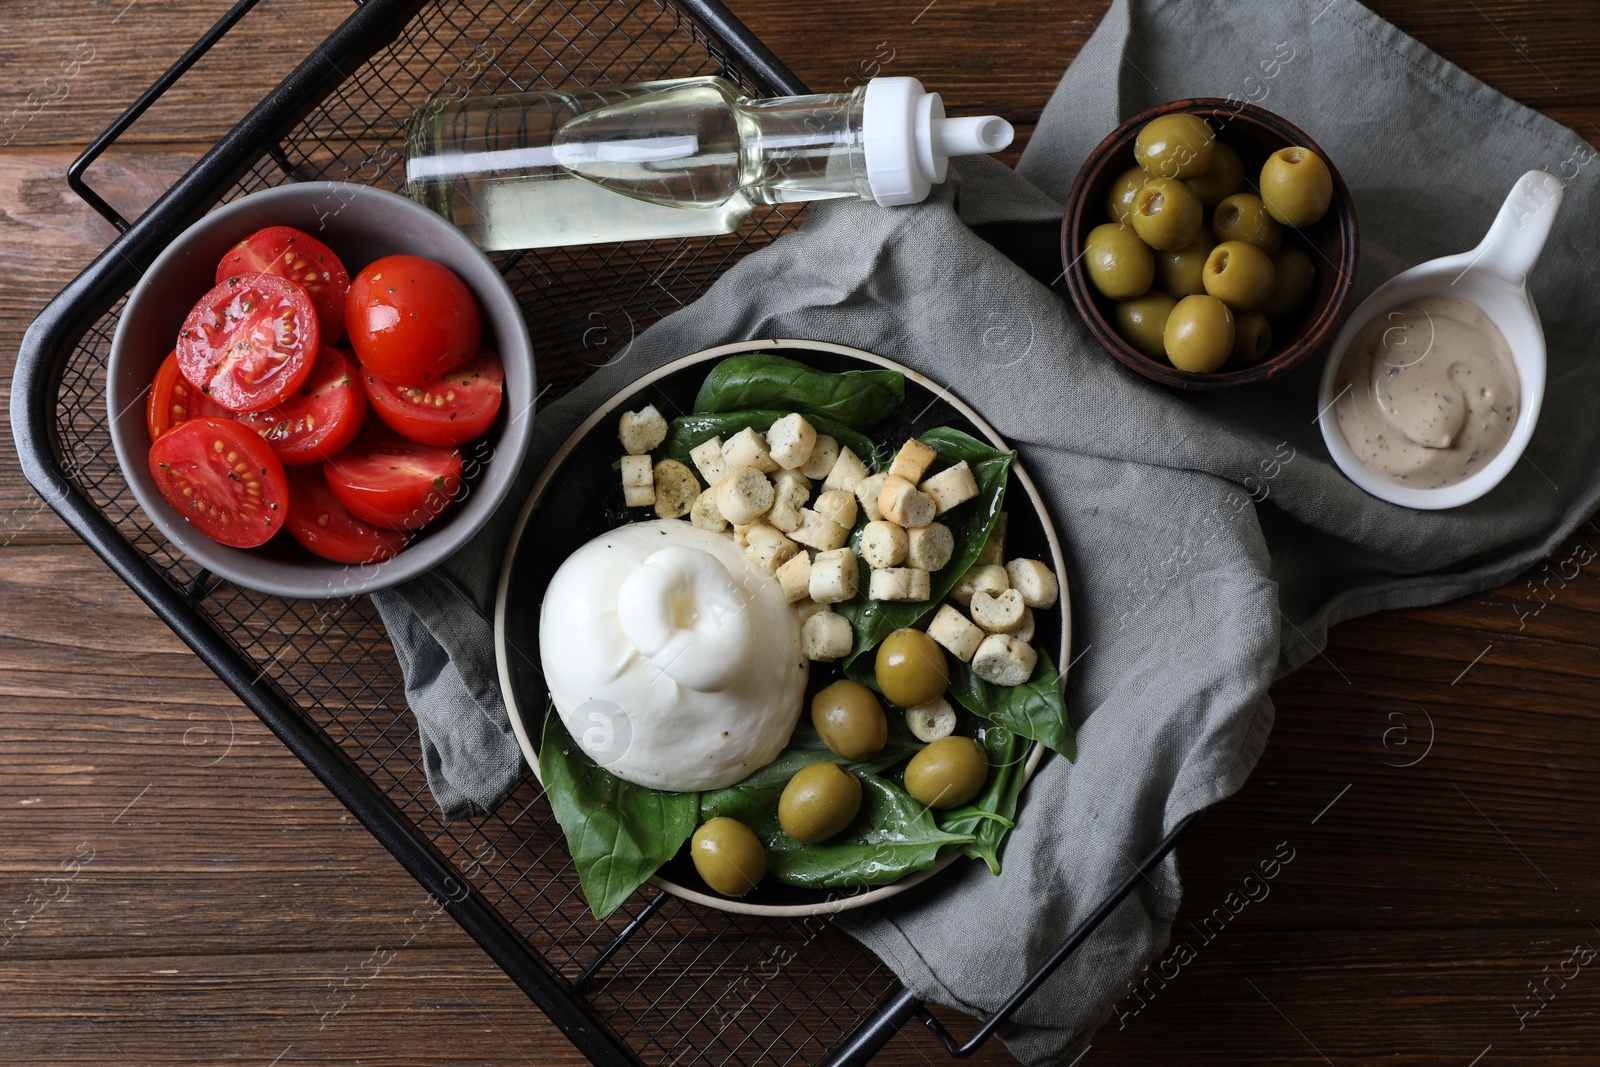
(361, 224)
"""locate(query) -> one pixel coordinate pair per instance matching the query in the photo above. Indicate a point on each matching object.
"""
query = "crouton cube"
(997, 612)
(707, 456)
(912, 461)
(994, 547)
(790, 441)
(804, 609)
(638, 482)
(930, 547)
(904, 503)
(826, 636)
(835, 576)
(704, 513)
(740, 533)
(1023, 630)
(823, 456)
(1004, 660)
(867, 491)
(744, 496)
(952, 486)
(899, 583)
(847, 471)
(958, 634)
(748, 448)
(791, 490)
(838, 505)
(990, 579)
(1036, 582)
(676, 489)
(641, 431)
(819, 532)
(768, 548)
(931, 721)
(795, 577)
(883, 544)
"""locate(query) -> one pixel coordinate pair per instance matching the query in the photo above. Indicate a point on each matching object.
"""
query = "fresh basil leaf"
(891, 837)
(1033, 709)
(859, 399)
(618, 833)
(989, 816)
(687, 431)
(969, 523)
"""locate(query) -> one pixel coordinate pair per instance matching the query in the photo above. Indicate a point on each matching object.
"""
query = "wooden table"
(1440, 808)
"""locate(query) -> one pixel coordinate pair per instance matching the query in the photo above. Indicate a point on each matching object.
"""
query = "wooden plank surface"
(183, 891)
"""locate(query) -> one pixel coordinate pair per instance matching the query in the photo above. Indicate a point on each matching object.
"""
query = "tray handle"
(109, 135)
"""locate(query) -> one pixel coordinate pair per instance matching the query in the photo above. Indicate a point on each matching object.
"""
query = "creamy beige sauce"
(1427, 393)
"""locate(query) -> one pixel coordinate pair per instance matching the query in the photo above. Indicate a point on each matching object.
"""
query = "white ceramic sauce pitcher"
(1493, 276)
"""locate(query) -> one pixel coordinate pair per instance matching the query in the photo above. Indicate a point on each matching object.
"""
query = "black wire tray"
(662, 980)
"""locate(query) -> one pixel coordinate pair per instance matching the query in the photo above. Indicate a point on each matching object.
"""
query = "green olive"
(1175, 146)
(1225, 177)
(911, 668)
(1119, 199)
(1296, 186)
(1179, 271)
(1295, 275)
(1239, 274)
(1243, 217)
(819, 801)
(1119, 264)
(1252, 336)
(728, 856)
(850, 719)
(1142, 321)
(947, 773)
(1199, 334)
(1166, 215)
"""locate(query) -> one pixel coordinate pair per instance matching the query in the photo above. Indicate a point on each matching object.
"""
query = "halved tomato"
(223, 479)
(454, 410)
(250, 342)
(324, 526)
(411, 319)
(318, 420)
(302, 259)
(394, 483)
(174, 401)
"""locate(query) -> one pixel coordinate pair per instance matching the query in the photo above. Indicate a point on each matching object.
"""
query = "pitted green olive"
(1199, 334)
(1240, 275)
(850, 720)
(947, 773)
(1118, 263)
(1295, 275)
(1243, 217)
(1166, 215)
(1119, 198)
(1225, 177)
(911, 669)
(819, 801)
(728, 856)
(1252, 336)
(1179, 271)
(1142, 322)
(1175, 146)
(1296, 186)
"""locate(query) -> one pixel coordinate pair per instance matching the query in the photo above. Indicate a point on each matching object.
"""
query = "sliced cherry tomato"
(318, 420)
(250, 342)
(411, 320)
(324, 526)
(223, 479)
(174, 401)
(302, 259)
(394, 483)
(454, 410)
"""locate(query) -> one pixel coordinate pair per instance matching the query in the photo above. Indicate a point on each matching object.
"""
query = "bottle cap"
(908, 141)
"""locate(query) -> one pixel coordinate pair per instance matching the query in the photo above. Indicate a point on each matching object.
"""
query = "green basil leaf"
(1033, 709)
(858, 399)
(989, 816)
(969, 523)
(687, 431)
(618, 833)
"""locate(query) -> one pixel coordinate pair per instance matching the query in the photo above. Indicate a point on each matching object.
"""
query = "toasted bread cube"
(899, 583)
(819, 532)
(676, 489)
(704, 513)
(748, 448)
(912, 461)
(959, 636)
(1023, 630)
(795, 577)
(847, 471)
(838, 505)
(930, 547)
(638, 496)
(990, 579)
(768, 548)
(952, 486)
(741, 533)
(997, 612)
(931, 721)
(1004, 660)
(707, 456)
(826, 636)
(824, 454)
(790, 441)
(641, 431)
(904, 503)
(791, 491)
(835, 576)
(804, 609)
(994, 547)
(1036, 582)
(883, 544)
(867, 491)
(744, 496)
(794, 484)
(638, 482)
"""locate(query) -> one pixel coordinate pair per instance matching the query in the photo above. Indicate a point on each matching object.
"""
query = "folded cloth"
(1210, 540)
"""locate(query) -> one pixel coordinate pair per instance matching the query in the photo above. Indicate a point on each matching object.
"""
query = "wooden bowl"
(1331, 242)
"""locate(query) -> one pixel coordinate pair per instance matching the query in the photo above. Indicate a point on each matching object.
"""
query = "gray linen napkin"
(1210, 540)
